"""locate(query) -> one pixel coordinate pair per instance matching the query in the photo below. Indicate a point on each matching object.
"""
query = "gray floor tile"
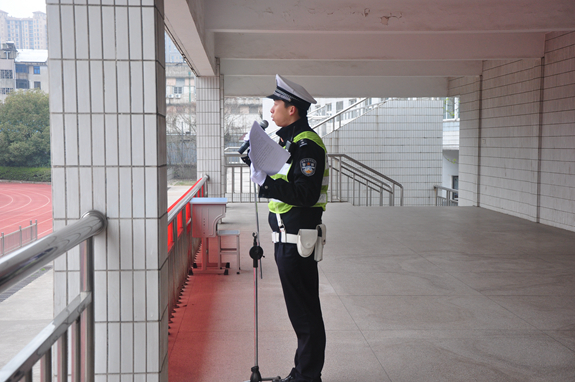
(474, 356)
(543, 312)
(430, 312)
(520, 284)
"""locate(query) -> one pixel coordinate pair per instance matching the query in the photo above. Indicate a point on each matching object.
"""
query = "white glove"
(257, 176)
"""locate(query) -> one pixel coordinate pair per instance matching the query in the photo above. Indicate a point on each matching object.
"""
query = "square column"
(107, 117)
(210, 138)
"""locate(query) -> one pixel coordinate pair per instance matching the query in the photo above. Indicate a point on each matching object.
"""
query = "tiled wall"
(209, 117)
(557, 204)
(467, 88)
(402, 139)
(524, 151)
(107, 85)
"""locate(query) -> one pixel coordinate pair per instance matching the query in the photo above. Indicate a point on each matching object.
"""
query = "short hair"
(301, 109)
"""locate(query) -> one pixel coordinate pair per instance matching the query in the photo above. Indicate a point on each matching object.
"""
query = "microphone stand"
(256, 253)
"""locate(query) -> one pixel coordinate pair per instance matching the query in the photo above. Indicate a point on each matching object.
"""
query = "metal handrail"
(362, 175)
(339, 114)
(189, 195)
(79, 313)
(448, 200)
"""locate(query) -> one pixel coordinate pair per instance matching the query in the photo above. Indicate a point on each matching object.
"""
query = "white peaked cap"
(290, 91)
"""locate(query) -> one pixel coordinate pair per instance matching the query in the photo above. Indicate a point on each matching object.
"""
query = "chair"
(228, 244)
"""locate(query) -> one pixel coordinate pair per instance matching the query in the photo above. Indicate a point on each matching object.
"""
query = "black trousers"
(300, 283)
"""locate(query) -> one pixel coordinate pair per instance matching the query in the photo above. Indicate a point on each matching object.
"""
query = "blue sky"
(22, 8)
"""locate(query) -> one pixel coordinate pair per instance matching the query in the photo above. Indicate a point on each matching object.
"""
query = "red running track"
(22, 202)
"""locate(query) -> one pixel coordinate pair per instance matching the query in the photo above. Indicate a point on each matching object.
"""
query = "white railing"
(238, 187)
(18, 239)
(447, 199)
(345, 116)
(79, 314)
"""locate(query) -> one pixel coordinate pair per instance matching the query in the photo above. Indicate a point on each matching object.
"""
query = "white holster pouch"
(310, 240)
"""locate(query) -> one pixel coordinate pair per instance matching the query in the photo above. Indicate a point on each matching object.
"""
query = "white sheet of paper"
(265, 154)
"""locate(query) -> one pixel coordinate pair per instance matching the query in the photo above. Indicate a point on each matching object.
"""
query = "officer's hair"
(301, 109)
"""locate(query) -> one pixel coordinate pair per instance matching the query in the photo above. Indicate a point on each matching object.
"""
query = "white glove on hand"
(257, 176)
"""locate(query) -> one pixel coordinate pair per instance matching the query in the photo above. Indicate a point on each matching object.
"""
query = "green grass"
(26, 174)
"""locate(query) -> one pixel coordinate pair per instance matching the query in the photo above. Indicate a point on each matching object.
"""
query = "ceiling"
(377, 48)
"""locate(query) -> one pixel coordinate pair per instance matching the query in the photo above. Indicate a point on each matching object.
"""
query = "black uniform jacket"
(305, 178)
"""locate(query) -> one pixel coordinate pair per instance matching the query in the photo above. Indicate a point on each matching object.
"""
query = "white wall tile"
(137, 144)
(152, 187)
(84, 139)
(112, 192)
(138, 193)
(73, 279)
(97, 86)
(135, 18)
(100, 298)
(150, 140)
(124, 139)
(137, 87)
(53, 27)
(98, 140)
(148, 33)
(70, 97)
(122, 36)
(123, 86)
(100, 339)
(72, 193)
(126, 240)
(57, 139)
(95, 32)
(111, 128)
(85, 189)
(127, 293)
(152, 295)
(114, 353)
(140, 295)
(125, 192)
(56, 85)
(140, 335)
(67, 33)
(109, 33)
(110, 91)
(152, 244)
(150, 94)
(113, 237)
(153, 338)
(113, 296)
(81, 36)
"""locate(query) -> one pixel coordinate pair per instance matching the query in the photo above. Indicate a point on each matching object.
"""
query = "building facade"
(26, 33)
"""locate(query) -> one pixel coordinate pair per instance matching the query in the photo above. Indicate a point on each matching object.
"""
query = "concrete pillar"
(210, 139)
(107, 101)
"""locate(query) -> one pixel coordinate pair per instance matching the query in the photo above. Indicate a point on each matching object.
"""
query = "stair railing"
(345, 116)
(352, 181)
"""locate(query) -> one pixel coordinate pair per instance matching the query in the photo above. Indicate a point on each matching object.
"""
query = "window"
(22, 84)
(5, 90)
(21, 68)
(36, 70)
(455, 185)
(6, 74)
(178, 89)
(37, 85)
(451, 108)
(339, 106)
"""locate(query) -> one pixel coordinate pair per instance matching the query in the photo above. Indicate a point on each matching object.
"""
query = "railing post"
(63, 358)
(87, 317)
(20, 229)
(2, 243)
(46, 367)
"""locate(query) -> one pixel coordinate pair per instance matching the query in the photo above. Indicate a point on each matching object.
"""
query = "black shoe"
(289, 378)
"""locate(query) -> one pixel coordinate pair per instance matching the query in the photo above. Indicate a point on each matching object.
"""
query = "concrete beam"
(244, 67)
(184, 21)
(398, 46)
(261, 86)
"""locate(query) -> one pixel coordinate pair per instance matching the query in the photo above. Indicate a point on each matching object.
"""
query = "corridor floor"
(408, 294)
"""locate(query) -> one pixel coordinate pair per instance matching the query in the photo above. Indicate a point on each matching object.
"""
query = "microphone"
(264, 124)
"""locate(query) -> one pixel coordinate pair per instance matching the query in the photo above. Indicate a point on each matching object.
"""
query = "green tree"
(25, 129)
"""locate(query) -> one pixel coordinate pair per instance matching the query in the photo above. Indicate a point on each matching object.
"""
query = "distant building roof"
(32, 55)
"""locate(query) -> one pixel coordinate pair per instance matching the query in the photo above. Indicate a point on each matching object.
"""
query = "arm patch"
(308, 166)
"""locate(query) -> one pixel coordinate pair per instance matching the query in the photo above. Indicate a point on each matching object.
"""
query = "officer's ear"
(292, 110)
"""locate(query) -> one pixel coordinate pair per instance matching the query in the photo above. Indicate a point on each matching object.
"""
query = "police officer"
(298, 197)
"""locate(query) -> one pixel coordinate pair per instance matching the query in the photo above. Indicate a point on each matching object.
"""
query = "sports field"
(22, 202)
